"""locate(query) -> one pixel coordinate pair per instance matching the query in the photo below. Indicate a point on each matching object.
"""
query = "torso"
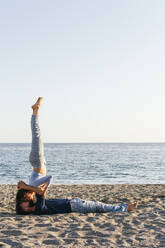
(40, 170)
(54, 206)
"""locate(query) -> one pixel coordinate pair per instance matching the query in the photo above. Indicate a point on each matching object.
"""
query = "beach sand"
(143, 228)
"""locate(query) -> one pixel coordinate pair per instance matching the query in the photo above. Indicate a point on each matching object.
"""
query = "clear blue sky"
(99, 64)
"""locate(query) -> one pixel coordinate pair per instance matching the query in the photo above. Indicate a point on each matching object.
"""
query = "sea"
(87, 163)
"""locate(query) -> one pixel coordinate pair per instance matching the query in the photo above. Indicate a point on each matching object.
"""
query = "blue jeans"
(82, 206)
(36, 156)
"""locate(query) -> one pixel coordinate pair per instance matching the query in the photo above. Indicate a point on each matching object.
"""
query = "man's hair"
(20, 197)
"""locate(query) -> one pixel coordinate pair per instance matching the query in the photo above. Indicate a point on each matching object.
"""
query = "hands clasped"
(40, 190)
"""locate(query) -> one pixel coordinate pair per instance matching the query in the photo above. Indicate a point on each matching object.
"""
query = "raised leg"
(36, 157)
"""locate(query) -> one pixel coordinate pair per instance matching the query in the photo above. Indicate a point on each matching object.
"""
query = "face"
(28, 206)
(25, 206)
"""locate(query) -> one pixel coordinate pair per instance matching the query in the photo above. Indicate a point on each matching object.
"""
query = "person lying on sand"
(38, 204)
(31, 198)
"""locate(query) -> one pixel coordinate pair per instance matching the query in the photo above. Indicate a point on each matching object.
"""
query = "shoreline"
(111, 184)
(90, 184)
(142, 228)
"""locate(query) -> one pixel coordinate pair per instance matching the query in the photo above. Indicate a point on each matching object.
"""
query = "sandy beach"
(143, 228)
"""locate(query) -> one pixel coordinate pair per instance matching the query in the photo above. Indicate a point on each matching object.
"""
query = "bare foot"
(38, 103)
(132, 206)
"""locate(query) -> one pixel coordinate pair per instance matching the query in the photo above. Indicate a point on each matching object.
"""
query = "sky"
(99, 65)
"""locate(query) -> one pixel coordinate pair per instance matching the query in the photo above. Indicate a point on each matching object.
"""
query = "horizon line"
(115, 142)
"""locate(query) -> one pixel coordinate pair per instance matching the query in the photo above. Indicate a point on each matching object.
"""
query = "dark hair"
(20, 197)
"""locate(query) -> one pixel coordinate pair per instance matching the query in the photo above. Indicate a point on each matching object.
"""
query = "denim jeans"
(83, 206)
(36, 156)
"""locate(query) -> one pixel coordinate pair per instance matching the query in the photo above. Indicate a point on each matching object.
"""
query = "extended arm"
(44, 190)
(22, 185)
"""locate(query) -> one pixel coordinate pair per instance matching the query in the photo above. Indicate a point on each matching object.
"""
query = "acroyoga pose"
(31, 198)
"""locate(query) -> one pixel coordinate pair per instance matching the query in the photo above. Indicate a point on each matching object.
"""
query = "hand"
(41, 189)
(21, 185)
(43, 186)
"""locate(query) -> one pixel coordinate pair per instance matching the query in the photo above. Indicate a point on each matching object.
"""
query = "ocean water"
(88, 163)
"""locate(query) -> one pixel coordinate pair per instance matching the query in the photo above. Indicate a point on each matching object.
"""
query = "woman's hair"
(20, 197)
